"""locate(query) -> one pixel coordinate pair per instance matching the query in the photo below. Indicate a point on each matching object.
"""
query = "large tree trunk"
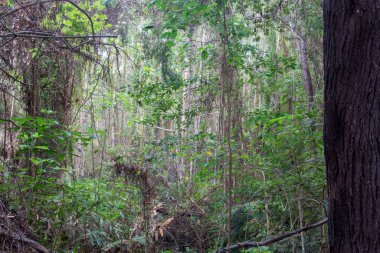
(352, 123)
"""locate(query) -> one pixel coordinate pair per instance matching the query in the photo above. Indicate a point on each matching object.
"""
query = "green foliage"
(59, 203)
(45, 143)
(258, 250)
(181, 14)
(75, 22)
(162, 107)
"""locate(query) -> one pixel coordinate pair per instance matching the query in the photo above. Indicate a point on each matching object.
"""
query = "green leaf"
(204, 55)
(36, 135)
(244, 156)
(41, 147)
(35, 161)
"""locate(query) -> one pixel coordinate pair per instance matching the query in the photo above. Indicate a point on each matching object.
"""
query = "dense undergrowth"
(76, 214)
(199, 125)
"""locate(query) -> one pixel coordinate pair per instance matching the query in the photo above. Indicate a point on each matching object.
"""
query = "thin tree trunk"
(307, 82)
(299, 33)
(302, 234)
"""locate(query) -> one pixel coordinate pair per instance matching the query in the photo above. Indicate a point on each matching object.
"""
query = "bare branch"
(41, 35)
(4, 89)
(11, 76)
(252, 244)
(10, 121)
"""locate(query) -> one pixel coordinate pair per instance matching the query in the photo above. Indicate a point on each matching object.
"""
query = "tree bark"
(299, 34)
(307, 81)
(352, 120)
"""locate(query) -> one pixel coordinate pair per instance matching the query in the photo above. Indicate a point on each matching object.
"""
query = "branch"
(31, 34)
(2, 15)
(269, 15)
(9, 93)
(252, 244)
(85, 13)
(8, 120)
(11, 76)
(23, 238)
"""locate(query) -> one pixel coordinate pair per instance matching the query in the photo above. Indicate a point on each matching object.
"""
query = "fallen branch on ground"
(39, 35)
(23, 238)
(252, 244)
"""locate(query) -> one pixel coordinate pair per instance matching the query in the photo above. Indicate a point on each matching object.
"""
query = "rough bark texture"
(352, 123)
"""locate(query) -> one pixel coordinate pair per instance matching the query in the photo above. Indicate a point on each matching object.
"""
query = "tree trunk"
(351, 127)
(307, 82)
(303, 58)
